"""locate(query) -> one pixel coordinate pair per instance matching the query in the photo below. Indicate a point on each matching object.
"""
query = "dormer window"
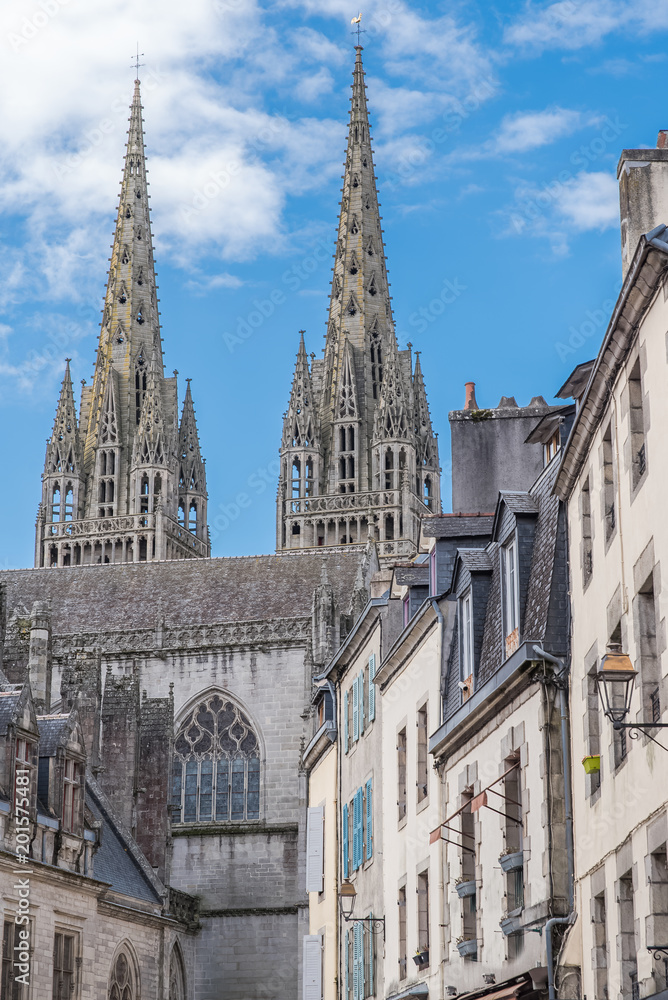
(511, 596)
(467, 663)
(25, 768)
(551, 447)
(71, 796)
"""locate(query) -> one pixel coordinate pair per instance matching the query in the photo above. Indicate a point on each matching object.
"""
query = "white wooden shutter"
(314, 849)
(312, 972)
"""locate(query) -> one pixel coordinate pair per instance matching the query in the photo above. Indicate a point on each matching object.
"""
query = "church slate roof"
(114, 861)
(184, 592)
(8, 704)
(457, 525)
(52, 730)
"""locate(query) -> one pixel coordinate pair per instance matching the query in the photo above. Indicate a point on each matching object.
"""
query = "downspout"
(540, 653)
(441, 849)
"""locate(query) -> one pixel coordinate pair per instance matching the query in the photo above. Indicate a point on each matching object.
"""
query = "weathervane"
(135, 60)
(359, 30)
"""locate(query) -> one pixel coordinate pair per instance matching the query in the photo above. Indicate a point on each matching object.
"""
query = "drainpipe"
(441, 853)
(541, 654)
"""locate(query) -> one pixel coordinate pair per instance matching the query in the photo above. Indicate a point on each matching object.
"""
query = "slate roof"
(455, 525)
(52, 729)
(545, 617)
(412, 576)
(114, 861)
(8, 702)
(183, 592)
(475, 560)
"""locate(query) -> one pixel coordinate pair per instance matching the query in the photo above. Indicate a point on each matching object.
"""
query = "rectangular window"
(315, 872)
(593, 729)
(344, 713)
(467, 861)
(360, 686)
(608, 477)
(401, 905)
(587, 552)
(71, 796)
(511, 596)
(401, 773)
(551, 447)
(513, 833)
(422, 755)
(406, 604)
(432, 573)
(637, 427)
(372, 687)
(358, 828)
(600, 947)
(64, 946)
(25, 761)
(466, 642)
(423, 911)
(646, 642)
(627, 938)
(10, 989)
(356, 711)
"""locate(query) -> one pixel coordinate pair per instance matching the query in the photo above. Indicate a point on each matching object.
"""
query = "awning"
(417, 990)
(521, 986)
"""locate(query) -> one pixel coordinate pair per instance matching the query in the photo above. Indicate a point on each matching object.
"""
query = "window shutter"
(356, 977)
(347, 961)
(344, 838)
(356, 711)
(369, 819)
(359, 943)
(360, 684)
(345, 722)
(371, 955)
(356, 850)
(314, 849)
(358, 828)
(312, 972)
(372, 687)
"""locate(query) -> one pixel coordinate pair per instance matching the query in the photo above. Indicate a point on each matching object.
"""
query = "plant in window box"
(421, 957)
(510, 859)
(592, 763)
(467, 946)
(465, 886)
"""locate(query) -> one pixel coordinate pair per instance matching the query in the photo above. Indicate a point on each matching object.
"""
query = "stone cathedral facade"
(161, 699)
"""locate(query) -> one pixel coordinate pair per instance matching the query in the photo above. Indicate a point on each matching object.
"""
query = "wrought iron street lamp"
(615, 681)
(347, 898)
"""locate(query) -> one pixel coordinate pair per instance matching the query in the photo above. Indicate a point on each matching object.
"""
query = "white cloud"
(532, 129)
(575, 24)
(559, 210)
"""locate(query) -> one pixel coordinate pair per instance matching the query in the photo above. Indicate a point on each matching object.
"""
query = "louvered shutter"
(372, 687)
(356, 711)
(347, 962)
(369, 819)
(356, 976)
(356, 850)
(345, 722)
(314, 849)
(344, 839)
(370, 963)
(360, 685)
(312, 971)
(359, 943)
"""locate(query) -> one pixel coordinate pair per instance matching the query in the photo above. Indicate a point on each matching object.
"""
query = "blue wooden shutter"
(356, 969)
(369, 819)
(344, 838)
(360, 684)
(356, 711)
(359, 933)
(347, 961)
(371, 955)
(356, 846)
(372, 687)
(345, 722)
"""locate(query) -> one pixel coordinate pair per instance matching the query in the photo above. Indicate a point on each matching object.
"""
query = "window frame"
(510, 585)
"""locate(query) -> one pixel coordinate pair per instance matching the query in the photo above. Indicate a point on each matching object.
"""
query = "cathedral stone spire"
(192, 472)
(62, 482)
(129, 414)
(366, 438)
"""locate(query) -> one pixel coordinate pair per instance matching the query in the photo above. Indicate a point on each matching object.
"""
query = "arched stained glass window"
(216, 771)
(122, 986)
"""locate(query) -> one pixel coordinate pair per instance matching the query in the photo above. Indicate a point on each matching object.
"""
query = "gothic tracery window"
(122, 986)
(216, 771)
(177, 989)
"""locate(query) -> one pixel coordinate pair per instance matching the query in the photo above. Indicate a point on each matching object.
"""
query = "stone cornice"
(184, 638)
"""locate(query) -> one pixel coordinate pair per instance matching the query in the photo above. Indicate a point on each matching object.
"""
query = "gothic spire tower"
(369, 466)
(114, 487)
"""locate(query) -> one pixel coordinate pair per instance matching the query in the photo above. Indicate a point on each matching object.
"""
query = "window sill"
(232, 828)
(422, 804)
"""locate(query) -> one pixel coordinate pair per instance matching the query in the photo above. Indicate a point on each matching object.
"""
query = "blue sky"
(497, 130)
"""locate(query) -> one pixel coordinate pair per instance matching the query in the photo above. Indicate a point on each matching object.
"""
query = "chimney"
(39, 657)
(470, 403)
(643, 193)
